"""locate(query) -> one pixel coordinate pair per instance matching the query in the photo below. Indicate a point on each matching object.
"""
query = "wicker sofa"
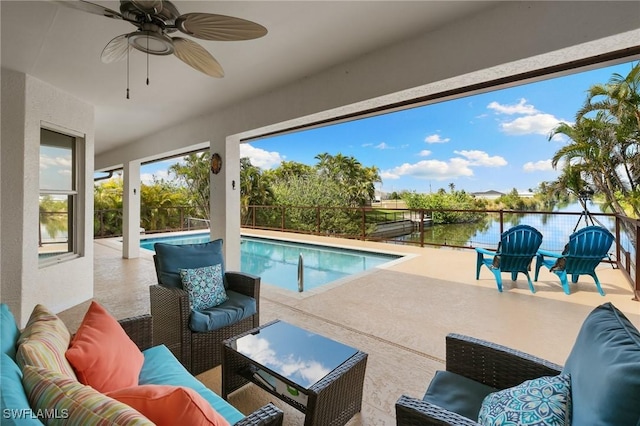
(160, 368)
(603, 366)
(173, 319)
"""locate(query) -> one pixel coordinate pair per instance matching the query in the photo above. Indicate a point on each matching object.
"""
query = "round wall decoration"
(216, 163)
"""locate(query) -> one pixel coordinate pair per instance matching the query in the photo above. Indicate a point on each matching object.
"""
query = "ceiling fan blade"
(208, 26)
(86, 6)
(148, 6)
(116, 50)
(194, 55)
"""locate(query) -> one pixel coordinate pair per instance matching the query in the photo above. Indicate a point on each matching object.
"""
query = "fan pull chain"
(147, 61)
(127, 72)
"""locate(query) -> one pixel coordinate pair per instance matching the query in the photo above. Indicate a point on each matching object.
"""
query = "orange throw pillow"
(168, 405)
(102, 354)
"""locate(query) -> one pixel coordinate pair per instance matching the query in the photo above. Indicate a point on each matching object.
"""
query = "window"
(60, 197)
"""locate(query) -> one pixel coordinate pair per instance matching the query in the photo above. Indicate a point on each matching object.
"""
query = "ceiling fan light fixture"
(151, 42)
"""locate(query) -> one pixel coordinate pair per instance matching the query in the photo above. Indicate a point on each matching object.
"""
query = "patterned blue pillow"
(541, 401)
(205, 286)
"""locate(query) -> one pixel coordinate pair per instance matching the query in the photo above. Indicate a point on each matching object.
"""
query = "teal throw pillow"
(545, 401)
(205, 286)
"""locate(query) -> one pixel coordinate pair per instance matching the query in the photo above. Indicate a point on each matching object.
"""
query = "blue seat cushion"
(604, 365)
(457, 393)
(9, 331)
(161, 367)
(236, 308)
(14, 405)
(170, 258)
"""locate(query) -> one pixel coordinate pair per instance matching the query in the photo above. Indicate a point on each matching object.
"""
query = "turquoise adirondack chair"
(516, 250)
(586, 248)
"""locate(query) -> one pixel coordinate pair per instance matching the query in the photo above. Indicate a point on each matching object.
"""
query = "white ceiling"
(62, 47)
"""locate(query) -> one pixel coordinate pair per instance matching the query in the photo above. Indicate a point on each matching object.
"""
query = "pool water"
(276, 262)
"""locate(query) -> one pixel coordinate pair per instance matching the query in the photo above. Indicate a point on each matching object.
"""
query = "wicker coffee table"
(318, 376)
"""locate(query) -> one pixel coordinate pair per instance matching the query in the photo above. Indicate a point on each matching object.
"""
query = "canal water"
(555, 228)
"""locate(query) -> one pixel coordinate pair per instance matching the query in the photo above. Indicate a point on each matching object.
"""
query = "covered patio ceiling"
(62, 47)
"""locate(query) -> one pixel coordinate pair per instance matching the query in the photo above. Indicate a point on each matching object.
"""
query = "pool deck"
(398, 314)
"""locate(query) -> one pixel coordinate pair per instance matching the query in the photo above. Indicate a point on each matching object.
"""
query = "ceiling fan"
(156, 19)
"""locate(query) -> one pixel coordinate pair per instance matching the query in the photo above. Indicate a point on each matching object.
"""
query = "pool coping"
(116, 242)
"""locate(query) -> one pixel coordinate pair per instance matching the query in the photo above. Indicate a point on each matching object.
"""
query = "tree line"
(602, 156)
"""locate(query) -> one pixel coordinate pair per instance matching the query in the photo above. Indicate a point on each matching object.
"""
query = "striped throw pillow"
(60, 400)
(44, 341)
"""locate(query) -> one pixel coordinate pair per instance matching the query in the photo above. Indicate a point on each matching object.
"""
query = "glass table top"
(299, 355)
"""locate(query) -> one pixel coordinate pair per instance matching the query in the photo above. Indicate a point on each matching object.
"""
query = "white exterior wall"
(512, 38)
(24, 282)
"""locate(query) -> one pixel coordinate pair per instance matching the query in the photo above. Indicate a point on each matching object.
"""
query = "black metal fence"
(473, 228)
(419, 227)
(108, 223)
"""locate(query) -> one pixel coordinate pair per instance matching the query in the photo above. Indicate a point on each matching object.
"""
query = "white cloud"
(431, 169)
(148, 178)
(542, 166)
(435, 138)
(58, 161)
(481, 158)
(364, 145)
(260, 350)
(537, 166)
(520, 108)
(424, 153)
(383, 146)
(260, 157)
(540, 124)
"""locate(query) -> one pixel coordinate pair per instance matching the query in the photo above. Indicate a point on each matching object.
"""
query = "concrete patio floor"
(399, 314)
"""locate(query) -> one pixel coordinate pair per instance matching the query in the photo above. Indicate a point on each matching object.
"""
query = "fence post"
(364, 224)
(317, 220)
(101, 223)
(282, 219)
(421, 227)
(501, 221)
(618, 241)
(637, 283)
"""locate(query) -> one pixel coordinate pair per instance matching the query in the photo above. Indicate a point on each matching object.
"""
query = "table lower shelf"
(332, 401)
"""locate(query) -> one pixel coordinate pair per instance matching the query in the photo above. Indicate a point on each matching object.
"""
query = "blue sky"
(497, 140)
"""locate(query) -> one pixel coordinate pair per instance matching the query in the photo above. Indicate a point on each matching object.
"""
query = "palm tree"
(619, 99)
(604, 141)
(194, 174)
(357, 182)
(255, 187)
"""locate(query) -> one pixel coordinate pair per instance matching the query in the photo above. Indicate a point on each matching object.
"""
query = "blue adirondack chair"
(586, 248)
(516, 250)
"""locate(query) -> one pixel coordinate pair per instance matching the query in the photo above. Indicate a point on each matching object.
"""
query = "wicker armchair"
(197, 351)
(485, 362)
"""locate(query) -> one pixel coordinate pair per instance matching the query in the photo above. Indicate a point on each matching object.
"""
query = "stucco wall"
(30, 103)
(11, 184)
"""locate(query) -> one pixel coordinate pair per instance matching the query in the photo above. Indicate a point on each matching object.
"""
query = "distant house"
(488, 195)
(526, 194)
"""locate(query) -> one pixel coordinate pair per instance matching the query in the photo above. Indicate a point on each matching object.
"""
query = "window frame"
(76, 196)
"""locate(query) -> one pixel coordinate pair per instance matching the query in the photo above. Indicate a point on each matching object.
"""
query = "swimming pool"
(276, 262)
